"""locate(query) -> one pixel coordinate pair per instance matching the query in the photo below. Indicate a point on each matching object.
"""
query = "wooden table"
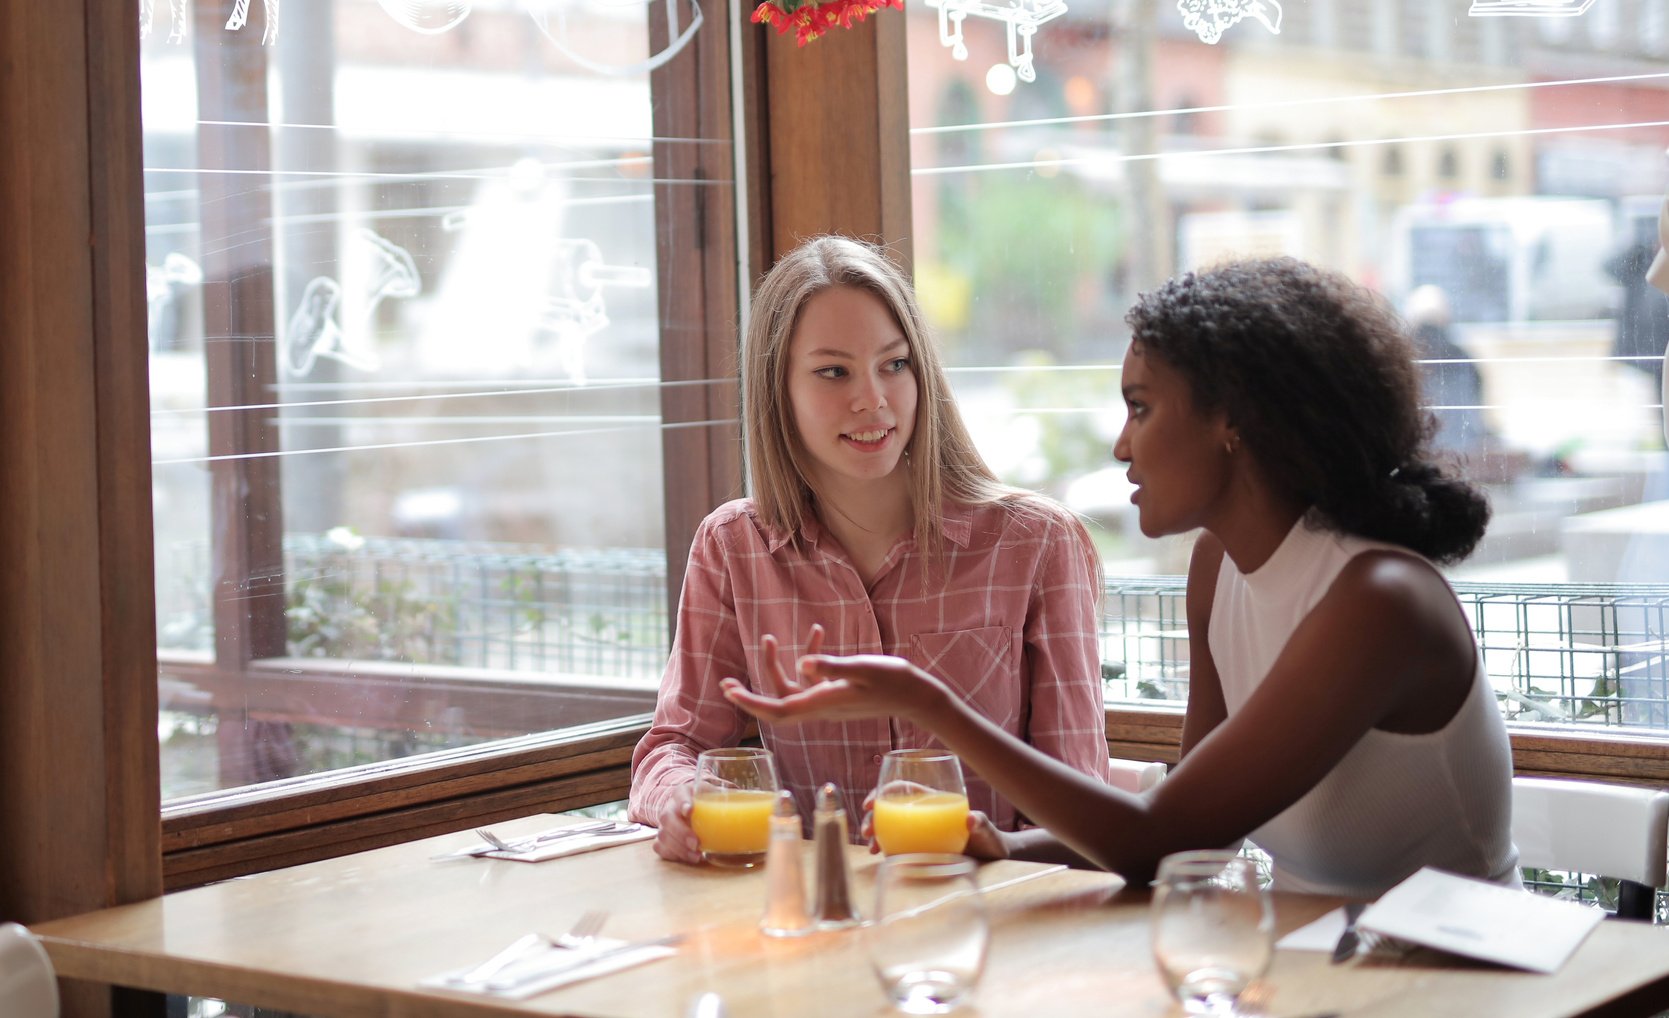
(354, 936)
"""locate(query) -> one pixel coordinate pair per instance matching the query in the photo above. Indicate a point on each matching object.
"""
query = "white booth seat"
(28, 986)
(1135, 775)
(1617, 831)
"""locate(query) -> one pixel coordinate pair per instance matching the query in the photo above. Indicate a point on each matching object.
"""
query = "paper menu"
(1482, 920)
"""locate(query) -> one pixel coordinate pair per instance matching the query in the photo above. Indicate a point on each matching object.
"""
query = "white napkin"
(574, 844)
(1320, 935)
(568, 844)
(549, 968)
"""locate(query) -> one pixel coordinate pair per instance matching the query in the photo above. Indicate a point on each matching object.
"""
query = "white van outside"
(1509, 259)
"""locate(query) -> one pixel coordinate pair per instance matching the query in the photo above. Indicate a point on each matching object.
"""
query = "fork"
(583, 932)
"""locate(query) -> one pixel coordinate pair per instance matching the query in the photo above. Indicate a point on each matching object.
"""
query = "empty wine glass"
(1213, 928)
(921, 803)
(928, 940)
(735, 790)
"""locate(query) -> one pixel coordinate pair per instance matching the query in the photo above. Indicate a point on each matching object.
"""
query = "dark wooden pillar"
(79, 783)
(696, 255)
(838, 135)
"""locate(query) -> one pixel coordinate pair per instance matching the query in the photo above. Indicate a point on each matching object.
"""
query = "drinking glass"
(735, 790)
(928, 939)
(921, 804)
(1213, 928)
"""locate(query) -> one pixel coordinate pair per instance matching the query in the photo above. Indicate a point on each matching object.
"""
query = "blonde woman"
(876, 528)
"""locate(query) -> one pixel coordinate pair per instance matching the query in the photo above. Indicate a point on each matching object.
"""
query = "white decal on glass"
(1529, 8)
(313, 331)
(177, 271)
(1022, 18)
(1209, 19)
(176, 19)
(240, 17)
(433, 17)
(552, 20)
(430, 17)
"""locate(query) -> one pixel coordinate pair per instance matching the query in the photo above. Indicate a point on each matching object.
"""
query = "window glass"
(1513, 159)
(405, 367)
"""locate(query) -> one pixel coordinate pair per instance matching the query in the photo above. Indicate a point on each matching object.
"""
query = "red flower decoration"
(810, 20)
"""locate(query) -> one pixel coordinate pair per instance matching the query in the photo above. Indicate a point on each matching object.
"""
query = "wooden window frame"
(287, 822)
(78, 636)
(78, 668)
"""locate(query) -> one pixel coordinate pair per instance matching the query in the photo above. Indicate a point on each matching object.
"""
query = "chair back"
(28, 986)
(1134, 775)
(1614, 831)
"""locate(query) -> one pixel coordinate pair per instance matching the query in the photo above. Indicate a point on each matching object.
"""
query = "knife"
(1345, 949)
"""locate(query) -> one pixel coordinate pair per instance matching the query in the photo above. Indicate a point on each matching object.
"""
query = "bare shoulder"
(1206, 559)
(1402, 622)
(1204, 563)
(1392, 581)
(1398, 603)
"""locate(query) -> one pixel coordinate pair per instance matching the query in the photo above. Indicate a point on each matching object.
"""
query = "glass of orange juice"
(921, 804)
(735, 790)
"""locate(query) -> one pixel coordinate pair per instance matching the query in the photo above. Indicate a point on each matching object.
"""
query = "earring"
(1229, 445)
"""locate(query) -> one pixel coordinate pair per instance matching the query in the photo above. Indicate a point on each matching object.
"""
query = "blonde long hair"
(942, 462)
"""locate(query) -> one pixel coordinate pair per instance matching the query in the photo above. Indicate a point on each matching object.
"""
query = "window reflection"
(405, 374)
(1504, 161)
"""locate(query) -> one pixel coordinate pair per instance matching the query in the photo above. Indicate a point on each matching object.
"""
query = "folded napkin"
(574, 844)
(550, 967)
(558, 846)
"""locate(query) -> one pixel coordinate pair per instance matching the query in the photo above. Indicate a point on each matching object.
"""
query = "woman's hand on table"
(676, 841)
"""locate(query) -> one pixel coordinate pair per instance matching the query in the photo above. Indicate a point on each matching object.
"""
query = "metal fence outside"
(474, 605)
(1589, 654)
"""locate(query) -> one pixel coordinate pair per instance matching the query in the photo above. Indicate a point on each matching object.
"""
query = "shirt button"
(876, 758)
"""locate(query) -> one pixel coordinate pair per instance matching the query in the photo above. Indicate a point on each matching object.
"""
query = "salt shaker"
(834, 884)
(785, 889)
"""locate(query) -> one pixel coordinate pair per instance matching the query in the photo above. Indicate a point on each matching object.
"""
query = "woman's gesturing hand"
(834, 688)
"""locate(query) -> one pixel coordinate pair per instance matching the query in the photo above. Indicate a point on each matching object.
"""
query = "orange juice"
(922, 822)
(733, 824)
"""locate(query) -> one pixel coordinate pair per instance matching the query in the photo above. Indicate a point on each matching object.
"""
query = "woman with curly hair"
(1338, 710)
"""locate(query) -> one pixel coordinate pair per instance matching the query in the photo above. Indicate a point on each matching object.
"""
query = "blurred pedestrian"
(1450, 383)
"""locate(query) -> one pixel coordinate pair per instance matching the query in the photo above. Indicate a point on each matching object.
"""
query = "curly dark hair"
(1318, 377)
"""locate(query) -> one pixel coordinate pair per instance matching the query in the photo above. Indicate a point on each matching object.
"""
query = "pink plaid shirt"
(1012, 629)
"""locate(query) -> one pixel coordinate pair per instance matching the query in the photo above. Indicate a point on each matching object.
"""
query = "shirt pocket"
(981, 665)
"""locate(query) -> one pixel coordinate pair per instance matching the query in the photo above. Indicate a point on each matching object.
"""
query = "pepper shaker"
(834, 884)
(785, 889)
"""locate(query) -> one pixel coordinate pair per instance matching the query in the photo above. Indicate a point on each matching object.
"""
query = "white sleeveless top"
(1395, 802)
